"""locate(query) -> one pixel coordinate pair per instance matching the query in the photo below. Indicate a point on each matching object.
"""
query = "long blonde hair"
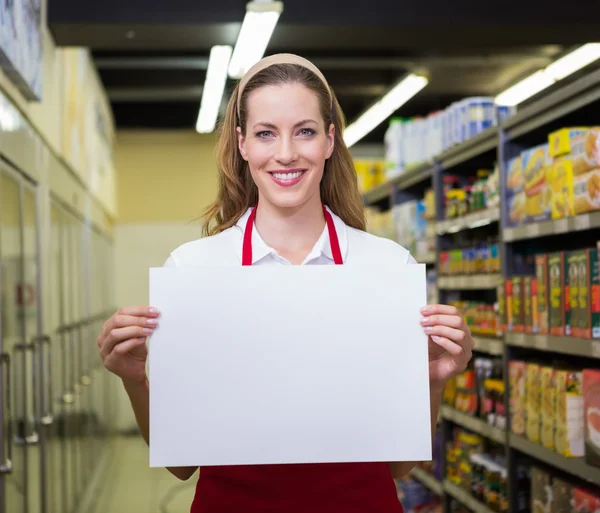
(238, 192)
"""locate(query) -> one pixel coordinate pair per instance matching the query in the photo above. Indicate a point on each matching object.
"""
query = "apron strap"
(333, 238)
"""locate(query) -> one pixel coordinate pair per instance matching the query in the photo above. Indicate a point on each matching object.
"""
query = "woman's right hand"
(122, 342)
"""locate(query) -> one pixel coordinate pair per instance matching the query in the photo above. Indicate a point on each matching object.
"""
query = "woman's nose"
(286, 152)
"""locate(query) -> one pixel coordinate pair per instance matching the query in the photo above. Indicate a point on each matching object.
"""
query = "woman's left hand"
(450, 343)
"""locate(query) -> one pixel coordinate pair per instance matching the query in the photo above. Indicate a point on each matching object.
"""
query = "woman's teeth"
(288, 176)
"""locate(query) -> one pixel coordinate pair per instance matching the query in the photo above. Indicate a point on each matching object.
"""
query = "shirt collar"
(260, 249)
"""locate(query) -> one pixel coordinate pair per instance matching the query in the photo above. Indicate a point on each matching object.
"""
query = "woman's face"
(286, 144)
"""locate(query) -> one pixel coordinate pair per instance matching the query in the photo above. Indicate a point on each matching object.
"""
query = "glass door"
(13, 464)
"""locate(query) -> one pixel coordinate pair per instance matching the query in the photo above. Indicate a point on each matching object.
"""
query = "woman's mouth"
(287, 178)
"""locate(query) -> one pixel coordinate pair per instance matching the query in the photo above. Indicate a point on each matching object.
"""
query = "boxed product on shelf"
(529, 303)
(370, 174)
(561, 141)
(515, 192)
(586, 192)
(541, 273)
(548, 408)
(571, 291)
(563, 496)
(517, 394)
(586, 501)
(533, 390)
(562, 182)
(586, 323)
(541, 491)
(537, 166)
(429, 204)
(585, 149)
(591, 398)
(518, 315)
(556, 281)
(569, 431)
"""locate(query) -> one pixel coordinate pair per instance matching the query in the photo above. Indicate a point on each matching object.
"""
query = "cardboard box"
(533, 407)
(586, 501)
(561, 183)
(557, 273)
(515, 192)
(587, 319)
(548, 400)
(528, 304)
(508, 301)
(571, 292)
(537, 166)
(569, 433)
(517, 373)
(561, 141)
(586, 192)
(541, 485)
(518, 315)
(563, 496)
(543, 300)
(591, 399)
(585, 150)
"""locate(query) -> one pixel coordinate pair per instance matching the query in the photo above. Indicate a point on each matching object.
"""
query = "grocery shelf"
(465, 498)
(414, 176)
(426, 258)
(489, 345)
(554, 227)
(474, 424)
(469, 282)
(472, 220)
(564, 345)
(471, 148)
(377, 193)
(575, 466)
(428, 480)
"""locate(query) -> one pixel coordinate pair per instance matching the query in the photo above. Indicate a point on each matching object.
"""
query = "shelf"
(489, 345)
(465, 498)
(565, 345)
(426, 258)
(428, 480)
(575, 466)
(474, 147)
(553, 227)
(414, 176)
(377, 194)
(474, 424)
(469, 282)
(468, 222)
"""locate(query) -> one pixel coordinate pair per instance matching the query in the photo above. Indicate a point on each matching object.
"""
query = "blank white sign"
(288, 364)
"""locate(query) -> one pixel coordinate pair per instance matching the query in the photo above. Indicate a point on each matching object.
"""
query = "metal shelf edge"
(428, 480)
(469, 282)
(470, 221)
(471, 148)
(589, 348)
(489, 345)
(377, 194)
(527, 231)
(465, 498)
(414, 176)
(477, 425)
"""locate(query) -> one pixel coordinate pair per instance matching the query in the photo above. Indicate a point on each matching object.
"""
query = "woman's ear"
(330, 140)
(241, 143)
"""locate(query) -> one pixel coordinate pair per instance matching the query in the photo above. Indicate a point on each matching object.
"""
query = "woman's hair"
(238, 192)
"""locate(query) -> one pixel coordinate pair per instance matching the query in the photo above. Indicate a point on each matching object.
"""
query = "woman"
(281, 148)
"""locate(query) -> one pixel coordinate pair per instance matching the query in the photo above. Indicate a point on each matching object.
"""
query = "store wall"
(164, 181)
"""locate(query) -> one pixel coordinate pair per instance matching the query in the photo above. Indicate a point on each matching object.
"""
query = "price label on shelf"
(561, 226)
(582, 222)
(596, 349)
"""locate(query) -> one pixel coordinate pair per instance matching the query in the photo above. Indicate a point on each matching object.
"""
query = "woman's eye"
(306, 132)
(264, 134)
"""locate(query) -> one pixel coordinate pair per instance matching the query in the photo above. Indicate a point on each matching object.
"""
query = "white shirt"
(225, 249)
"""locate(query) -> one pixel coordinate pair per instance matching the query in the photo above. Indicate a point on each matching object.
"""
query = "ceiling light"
(214, 86)
(384, 108)
(554, 72)
(257, 28)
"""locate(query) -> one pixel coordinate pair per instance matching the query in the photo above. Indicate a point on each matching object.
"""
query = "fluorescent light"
(384, 108)
(214, 86)
(257, 28)
(554, 72)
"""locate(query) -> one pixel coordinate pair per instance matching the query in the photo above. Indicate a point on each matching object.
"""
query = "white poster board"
(288, 364)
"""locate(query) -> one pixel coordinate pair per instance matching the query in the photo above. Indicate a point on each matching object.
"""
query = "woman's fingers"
(120, 335)
(128, 345)
(453, 321)
(439, 309)
(451, 347)
(131, 316)
(458, 337)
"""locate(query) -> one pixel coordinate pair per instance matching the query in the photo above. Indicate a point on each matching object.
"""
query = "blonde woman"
(287, 196)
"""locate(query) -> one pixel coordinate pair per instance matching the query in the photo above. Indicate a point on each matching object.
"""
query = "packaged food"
(533, 402)
(561, 182)
(591, 397)
(541, 273)
(537, 165)
(516, 209)
(517, 374)
(586, 192)
(586, 322)
(508, 301)
(561, 141)
(563, 498)
(541, 488)
(548, 399)
(585, 149)
(518, 315)
(557, 273)
(569, 433)
(571, 291)
(528, 304)
(515, 192)
(586, 501)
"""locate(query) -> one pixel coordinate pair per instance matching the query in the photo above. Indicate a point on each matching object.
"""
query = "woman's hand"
(450, 343)
(122, 342)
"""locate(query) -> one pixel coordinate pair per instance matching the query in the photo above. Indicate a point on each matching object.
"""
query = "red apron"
(296, 488)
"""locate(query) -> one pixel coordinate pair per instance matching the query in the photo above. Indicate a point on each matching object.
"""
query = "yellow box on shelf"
(370, 174)
(561, 180)
(561, 141)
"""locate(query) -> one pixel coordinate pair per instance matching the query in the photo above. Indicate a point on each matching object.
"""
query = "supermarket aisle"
(134, 487)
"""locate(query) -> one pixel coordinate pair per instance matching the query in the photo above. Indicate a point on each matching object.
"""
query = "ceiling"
(152, 56)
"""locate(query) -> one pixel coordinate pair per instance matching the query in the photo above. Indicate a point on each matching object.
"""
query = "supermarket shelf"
(476, 425)
(428, 480)
(414, 176)
(570, 224)
(575, 466)
(465, 498)
(564, 345)
(489, 345)
(471, 148)
(469, 282)
(426, 258)
(473, 220)
(377, 193)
